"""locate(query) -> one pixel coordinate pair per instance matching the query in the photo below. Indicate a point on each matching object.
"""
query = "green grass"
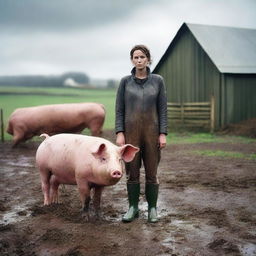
(191, 138)
(224, 154)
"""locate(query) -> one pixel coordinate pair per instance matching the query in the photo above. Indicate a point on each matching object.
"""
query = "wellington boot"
(151, 192)
(133, 198)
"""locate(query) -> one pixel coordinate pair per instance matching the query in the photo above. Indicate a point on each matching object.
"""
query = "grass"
(225, 154)
(191, 138)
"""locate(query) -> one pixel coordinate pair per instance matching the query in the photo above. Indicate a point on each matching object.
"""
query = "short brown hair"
(142, 48)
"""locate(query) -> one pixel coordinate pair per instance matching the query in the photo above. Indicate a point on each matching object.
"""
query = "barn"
(210, 64)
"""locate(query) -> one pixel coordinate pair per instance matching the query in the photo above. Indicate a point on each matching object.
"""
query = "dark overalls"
(141, 113)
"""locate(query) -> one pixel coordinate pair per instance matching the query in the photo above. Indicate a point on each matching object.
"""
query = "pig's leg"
(18, 136)
(45, 182)
(96, 127)
(54, 185)
(96, 200)
(84, 192)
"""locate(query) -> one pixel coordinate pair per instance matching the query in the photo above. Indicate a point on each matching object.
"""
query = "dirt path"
(207, 206)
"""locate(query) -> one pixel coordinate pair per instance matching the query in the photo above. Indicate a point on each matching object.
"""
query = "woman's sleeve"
(120, 107)
(162, 108)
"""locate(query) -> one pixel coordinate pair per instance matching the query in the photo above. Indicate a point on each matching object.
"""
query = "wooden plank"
(172, 104)
(197, 104)
(205, 126)
(196, 109)
(197, 114)
(174, 117)
(178, 107)
(173, 109)
(196, 122)
(182, 113)
(174, 114)
(212, 114)
(176, 122)
(197, 117)
(189, 117)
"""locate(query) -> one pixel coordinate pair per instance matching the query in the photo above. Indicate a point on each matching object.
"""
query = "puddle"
(181, 223)
(168, 240)
(21, 161)
(17, 167)
(9, 173)
(181, 231)
(248, 249)
(23, 173)
(16, 214)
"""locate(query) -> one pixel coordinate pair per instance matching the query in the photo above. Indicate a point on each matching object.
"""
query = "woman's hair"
(142, 48)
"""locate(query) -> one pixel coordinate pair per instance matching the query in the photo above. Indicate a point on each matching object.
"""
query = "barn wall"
(189, 74)
(239, 98)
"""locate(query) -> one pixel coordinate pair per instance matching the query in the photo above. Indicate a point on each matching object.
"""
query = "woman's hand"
(120, 140)
(162, 140)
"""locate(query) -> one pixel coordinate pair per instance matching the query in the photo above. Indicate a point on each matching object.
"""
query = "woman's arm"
(120, 108)
(162, 108)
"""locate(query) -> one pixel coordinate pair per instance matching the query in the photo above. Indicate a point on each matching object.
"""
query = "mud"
(206, 207)
(244, 128)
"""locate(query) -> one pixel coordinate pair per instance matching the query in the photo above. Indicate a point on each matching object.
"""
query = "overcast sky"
(95, 37)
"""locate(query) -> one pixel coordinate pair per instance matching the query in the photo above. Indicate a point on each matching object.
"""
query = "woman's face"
(139, 60)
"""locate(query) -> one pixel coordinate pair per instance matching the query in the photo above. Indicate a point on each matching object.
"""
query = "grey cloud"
(57, 15)
(55, 36)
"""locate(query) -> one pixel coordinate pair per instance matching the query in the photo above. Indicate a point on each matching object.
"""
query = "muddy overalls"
(141, 113)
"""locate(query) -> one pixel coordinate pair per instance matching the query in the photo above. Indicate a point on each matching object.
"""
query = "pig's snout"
(116, 174)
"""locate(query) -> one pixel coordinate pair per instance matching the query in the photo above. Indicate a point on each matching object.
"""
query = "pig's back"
(67, 146)
(59, 154)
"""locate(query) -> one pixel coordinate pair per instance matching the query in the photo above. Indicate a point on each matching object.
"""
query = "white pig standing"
(86, 161)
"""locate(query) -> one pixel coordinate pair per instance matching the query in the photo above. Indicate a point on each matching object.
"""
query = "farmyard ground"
(206, 207)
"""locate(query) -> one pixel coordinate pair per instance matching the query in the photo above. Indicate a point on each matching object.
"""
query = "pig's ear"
(97, 150)
(128, 152)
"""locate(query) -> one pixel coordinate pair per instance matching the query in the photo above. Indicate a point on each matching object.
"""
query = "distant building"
(204, 60)
(70, 82)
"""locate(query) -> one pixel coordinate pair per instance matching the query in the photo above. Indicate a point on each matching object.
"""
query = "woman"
(141, 120)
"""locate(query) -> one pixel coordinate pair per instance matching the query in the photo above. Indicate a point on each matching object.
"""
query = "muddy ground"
(207, 206)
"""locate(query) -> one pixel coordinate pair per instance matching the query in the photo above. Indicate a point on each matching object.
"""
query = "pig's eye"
(103, 159)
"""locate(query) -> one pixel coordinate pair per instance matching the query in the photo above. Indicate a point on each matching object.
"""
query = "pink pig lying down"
(24, 123)
(86, 161)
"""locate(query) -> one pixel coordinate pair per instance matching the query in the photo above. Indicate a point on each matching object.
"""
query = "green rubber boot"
(151, 192)
(133, 198)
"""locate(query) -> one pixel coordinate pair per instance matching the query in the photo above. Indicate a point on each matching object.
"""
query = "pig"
(86, 161)
(24, 123)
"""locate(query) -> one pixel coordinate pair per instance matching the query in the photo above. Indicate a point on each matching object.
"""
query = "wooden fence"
(2, 125)
(198, 115)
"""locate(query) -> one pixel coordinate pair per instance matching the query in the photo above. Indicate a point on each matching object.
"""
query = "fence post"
(2, 125)
(212, 113)
(182, 114)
